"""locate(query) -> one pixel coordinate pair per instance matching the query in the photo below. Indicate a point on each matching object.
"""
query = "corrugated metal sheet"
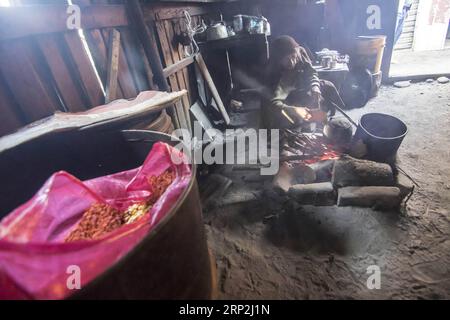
(406, 39)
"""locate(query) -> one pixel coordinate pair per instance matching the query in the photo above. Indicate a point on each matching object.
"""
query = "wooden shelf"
(235, 41)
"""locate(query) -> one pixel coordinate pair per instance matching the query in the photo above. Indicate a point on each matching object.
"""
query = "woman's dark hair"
(280, 48)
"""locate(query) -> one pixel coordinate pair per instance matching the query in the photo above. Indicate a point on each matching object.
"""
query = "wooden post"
(137, 22)
(148, 41)
(113, 66)
(209, 81)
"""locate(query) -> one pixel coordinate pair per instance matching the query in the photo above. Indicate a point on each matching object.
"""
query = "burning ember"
(308, 148)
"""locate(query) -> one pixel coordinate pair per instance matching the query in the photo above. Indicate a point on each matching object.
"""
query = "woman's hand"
(293, 114)
(301, 112)
(318, 115)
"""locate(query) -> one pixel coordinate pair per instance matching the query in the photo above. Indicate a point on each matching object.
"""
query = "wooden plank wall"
(168, 21)
(45, 68)
(44, 73)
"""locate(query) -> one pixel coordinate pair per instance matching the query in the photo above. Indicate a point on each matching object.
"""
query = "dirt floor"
(270, 250)
(407, 63)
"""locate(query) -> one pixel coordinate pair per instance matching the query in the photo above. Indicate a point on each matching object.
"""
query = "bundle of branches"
(307, 147)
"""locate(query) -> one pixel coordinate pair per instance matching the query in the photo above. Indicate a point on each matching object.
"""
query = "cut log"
(376, 197)
(318, 194)
(349, 171)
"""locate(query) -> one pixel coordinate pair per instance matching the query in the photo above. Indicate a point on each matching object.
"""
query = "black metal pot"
(382, 134)
(171, 262)
(356, 89)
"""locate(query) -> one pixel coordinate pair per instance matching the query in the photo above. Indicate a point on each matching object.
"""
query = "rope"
(192, 31)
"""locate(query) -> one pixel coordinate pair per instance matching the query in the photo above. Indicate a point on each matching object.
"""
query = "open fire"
(308, 148)
(318, 172)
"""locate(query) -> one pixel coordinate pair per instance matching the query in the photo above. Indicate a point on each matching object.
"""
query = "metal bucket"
(382, 134)
(171, 262)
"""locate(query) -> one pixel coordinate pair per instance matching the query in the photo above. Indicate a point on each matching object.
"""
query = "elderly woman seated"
(296, 96)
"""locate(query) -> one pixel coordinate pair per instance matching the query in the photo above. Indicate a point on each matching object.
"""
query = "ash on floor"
(267, 249)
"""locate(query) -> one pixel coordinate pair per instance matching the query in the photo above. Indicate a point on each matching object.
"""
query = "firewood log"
(349, 171)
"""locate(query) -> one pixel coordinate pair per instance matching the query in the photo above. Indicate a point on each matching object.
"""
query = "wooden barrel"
(171, 262)
(163, 124)
(368, 52)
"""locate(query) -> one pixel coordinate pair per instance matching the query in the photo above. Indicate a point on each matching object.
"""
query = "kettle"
(216, 32)
(338, 131)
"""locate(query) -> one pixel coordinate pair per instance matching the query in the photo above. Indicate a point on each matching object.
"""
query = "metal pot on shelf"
(216, 32)
(328, 58)
(238, 23)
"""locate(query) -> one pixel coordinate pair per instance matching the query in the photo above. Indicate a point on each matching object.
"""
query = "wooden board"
(178, 29)
(136, 60)
(148, 69)
(172, 50)
(125, 78)
(68, 87)
(173, 82)
(113, 66)
(11, 120)
(23, 72)
(49, 69)
(178, 66)
(173, 53)
(99, 52)
(173, 11)
(21, 21)
(91, 85)
(209, 81)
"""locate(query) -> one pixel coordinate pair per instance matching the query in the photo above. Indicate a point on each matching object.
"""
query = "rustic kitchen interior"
(98, 96)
